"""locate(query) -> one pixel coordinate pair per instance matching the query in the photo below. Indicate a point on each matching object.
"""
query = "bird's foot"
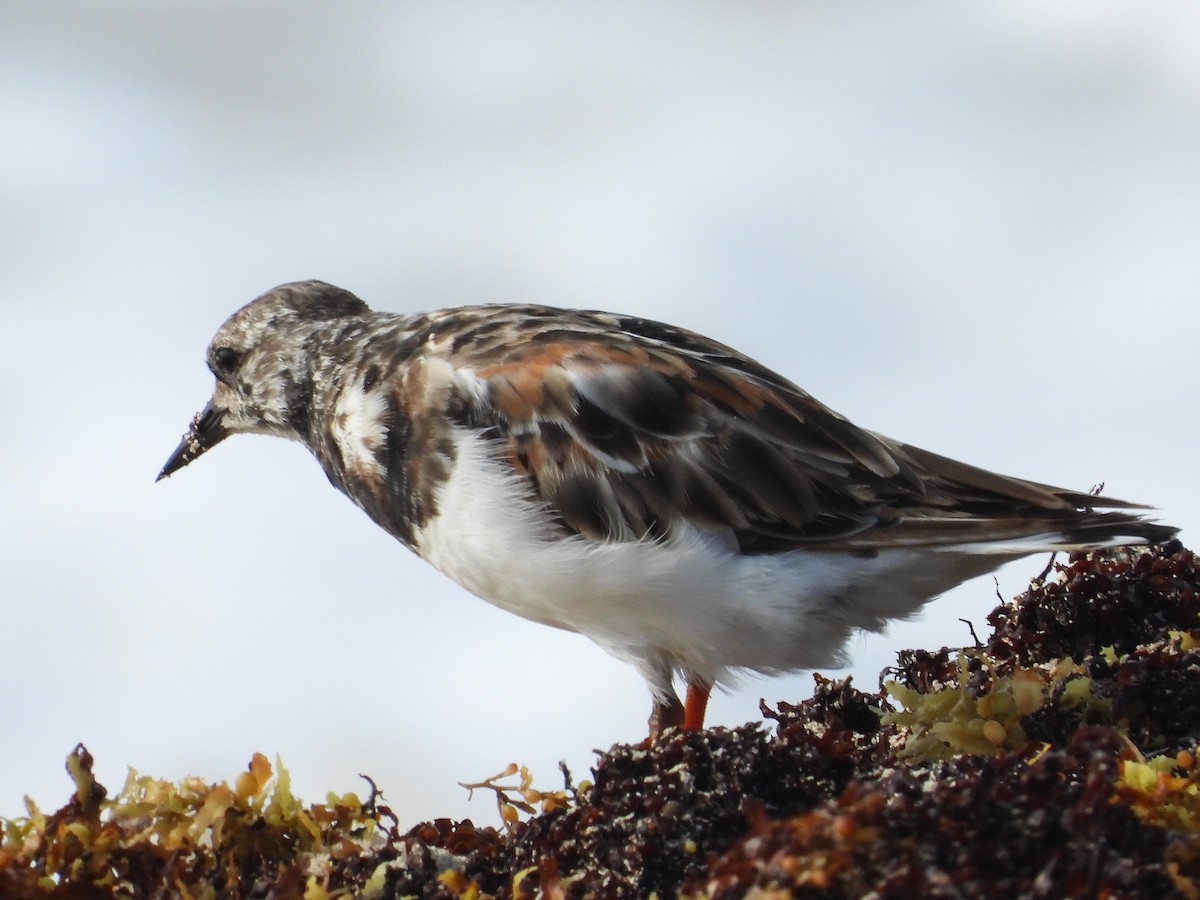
(670, 713)
(666, 714)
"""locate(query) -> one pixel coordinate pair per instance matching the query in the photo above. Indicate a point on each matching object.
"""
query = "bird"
(688, 509)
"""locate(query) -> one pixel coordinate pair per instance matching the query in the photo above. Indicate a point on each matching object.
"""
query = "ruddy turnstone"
(683, 506)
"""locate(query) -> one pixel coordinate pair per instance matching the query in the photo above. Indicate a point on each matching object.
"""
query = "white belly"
(692, 601)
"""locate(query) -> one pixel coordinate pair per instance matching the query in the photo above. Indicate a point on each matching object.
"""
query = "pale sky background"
(973, 227)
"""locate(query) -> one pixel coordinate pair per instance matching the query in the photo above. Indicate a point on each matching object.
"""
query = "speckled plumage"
(685, 507)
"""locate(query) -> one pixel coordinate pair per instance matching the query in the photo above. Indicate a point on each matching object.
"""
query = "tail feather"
(1019, 535)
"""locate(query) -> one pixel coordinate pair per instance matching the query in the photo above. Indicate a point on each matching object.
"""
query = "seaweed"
(1055, 758)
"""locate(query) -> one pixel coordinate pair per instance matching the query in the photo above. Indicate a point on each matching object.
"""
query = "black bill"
(206, 432)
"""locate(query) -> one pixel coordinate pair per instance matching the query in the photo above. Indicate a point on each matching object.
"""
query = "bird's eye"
(225, 359)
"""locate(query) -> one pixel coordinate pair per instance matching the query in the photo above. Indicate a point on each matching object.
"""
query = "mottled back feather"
(623, 426)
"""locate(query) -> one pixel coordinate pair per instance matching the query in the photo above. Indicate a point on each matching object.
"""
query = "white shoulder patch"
(359, 428)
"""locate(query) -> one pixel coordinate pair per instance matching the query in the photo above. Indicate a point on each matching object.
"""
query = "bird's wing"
(626, 427)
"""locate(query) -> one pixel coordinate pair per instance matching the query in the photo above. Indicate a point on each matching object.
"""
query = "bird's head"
(258, 358)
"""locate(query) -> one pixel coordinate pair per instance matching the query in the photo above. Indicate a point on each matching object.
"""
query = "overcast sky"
(973, 227)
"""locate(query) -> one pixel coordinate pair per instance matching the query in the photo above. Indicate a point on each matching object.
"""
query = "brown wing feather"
(625, 427)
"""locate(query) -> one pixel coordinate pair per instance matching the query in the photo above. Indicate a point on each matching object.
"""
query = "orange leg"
(670, 713)
(666, 714)
(695, 705)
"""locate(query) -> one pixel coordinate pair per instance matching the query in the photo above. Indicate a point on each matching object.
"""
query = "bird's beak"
(206, 431)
